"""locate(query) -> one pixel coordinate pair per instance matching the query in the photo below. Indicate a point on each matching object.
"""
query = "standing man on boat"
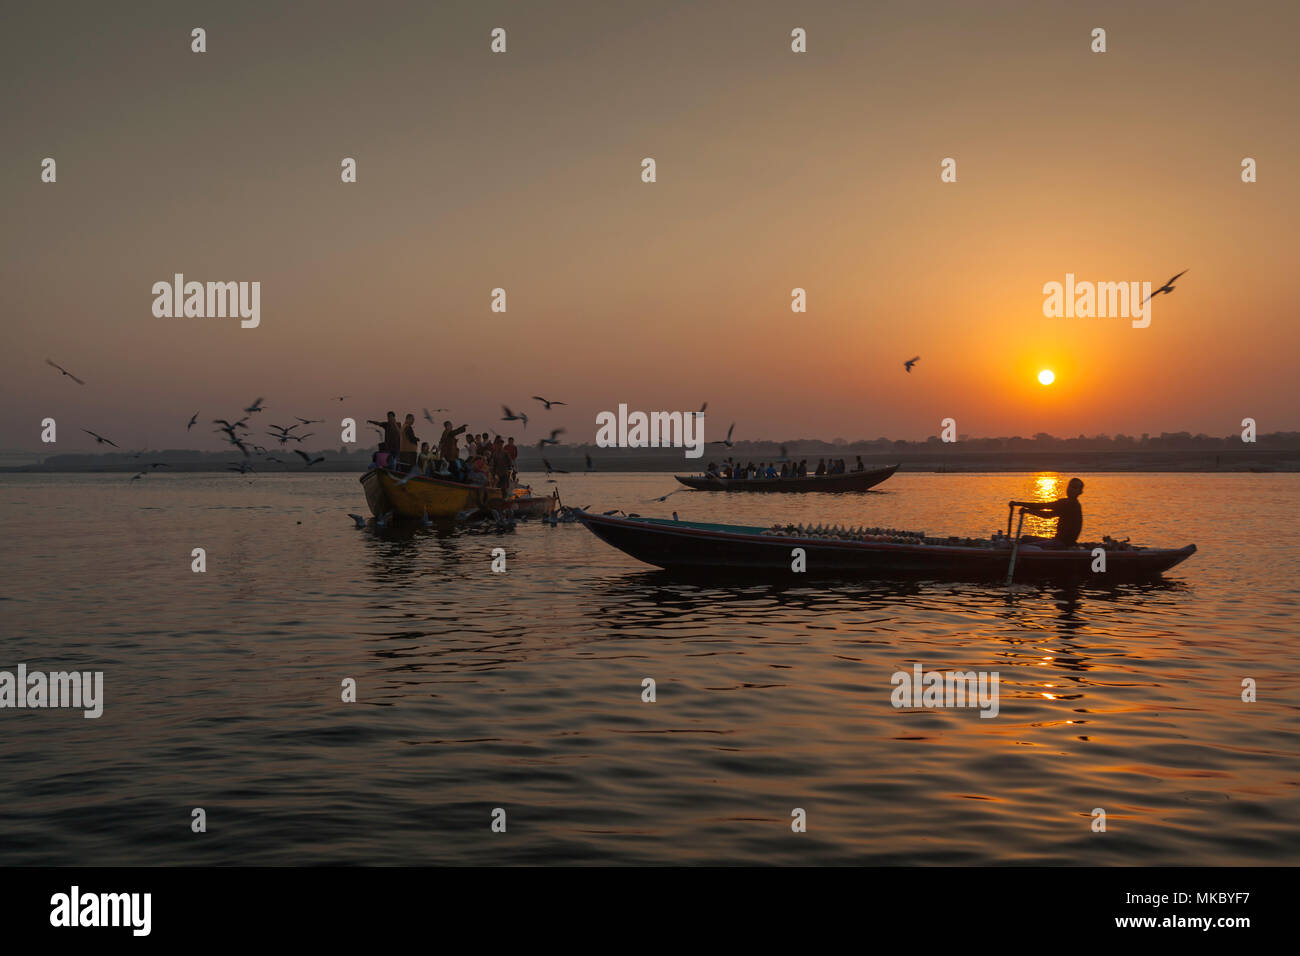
(409, 449)
(449, 450)
(392, 436)
(1067, 511)
(513, 451)
(501, 463)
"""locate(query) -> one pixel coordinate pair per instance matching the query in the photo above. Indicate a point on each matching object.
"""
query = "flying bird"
(65, 372)
(549, 469)
(159, 464)
(1166, 288)
(552, 440)
(590, 465)
(339, 398)
(309, 421)
(193, 418)
(243, 468)
(667, 496)
(910, 362)
(140, 475)
(547, 403)
(361, 522)
(99, 439)
(308, 458)
(726, 441)
(255, 407)
(512, 417)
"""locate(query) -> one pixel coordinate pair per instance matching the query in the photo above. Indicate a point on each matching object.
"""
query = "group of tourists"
(485, 460)
(788, 469)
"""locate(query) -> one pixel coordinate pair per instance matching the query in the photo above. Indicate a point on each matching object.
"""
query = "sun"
(1046, 377)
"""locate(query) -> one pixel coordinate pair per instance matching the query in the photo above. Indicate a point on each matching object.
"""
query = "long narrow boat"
(848, 481)
(413, 496)
(691, 545)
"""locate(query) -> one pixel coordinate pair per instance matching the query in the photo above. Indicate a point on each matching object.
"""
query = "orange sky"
(775, 170)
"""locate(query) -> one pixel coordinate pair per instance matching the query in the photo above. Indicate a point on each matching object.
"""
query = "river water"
(523, 690)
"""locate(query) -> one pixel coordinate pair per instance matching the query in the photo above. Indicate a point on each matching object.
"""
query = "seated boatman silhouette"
(1067, 512)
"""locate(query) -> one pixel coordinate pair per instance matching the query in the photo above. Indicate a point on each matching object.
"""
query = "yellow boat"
(413, 496)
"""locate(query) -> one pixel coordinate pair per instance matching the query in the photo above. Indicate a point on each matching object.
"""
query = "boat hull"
(439, 498)
(674, 545)
(848, 481)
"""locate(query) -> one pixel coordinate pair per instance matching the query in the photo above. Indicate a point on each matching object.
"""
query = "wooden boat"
(691, 545)
(414, 496)
(848, 481)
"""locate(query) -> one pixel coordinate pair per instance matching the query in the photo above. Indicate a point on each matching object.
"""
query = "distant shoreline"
(671, 460)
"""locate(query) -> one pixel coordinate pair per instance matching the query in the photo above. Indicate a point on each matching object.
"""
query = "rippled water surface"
(523, 690)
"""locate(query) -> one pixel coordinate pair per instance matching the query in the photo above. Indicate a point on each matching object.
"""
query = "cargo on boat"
(845, 481)
(867, 553)
(413, 496)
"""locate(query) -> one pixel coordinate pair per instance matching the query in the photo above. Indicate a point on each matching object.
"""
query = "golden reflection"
(1048, 487)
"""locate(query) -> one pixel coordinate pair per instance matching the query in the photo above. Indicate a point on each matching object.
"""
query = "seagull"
(274, 459)
(255, 407)
(726, 441)
(159, 464)
(100, 439)
(552, 440)
(65, 372)
(702, 408)
(361, 522)
(229, 427)
(309, 421)
(549, 469)
(547, 403)
(140, 475)
(1167, 287)
(590, 465)
(339, 398)
(307, 458)
(234, 440)
(383, 520)
(194, 418)
(910, 362)
(667, 496)
(612, 511)
(512, 417)
(243, 468)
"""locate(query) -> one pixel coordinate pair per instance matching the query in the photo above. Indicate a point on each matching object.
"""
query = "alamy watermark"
(651, 430)
(946, 689)
(25, 689)
(1099, 300)
(211, 300)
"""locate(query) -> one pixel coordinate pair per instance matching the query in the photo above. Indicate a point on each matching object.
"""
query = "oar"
(1015, 544)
